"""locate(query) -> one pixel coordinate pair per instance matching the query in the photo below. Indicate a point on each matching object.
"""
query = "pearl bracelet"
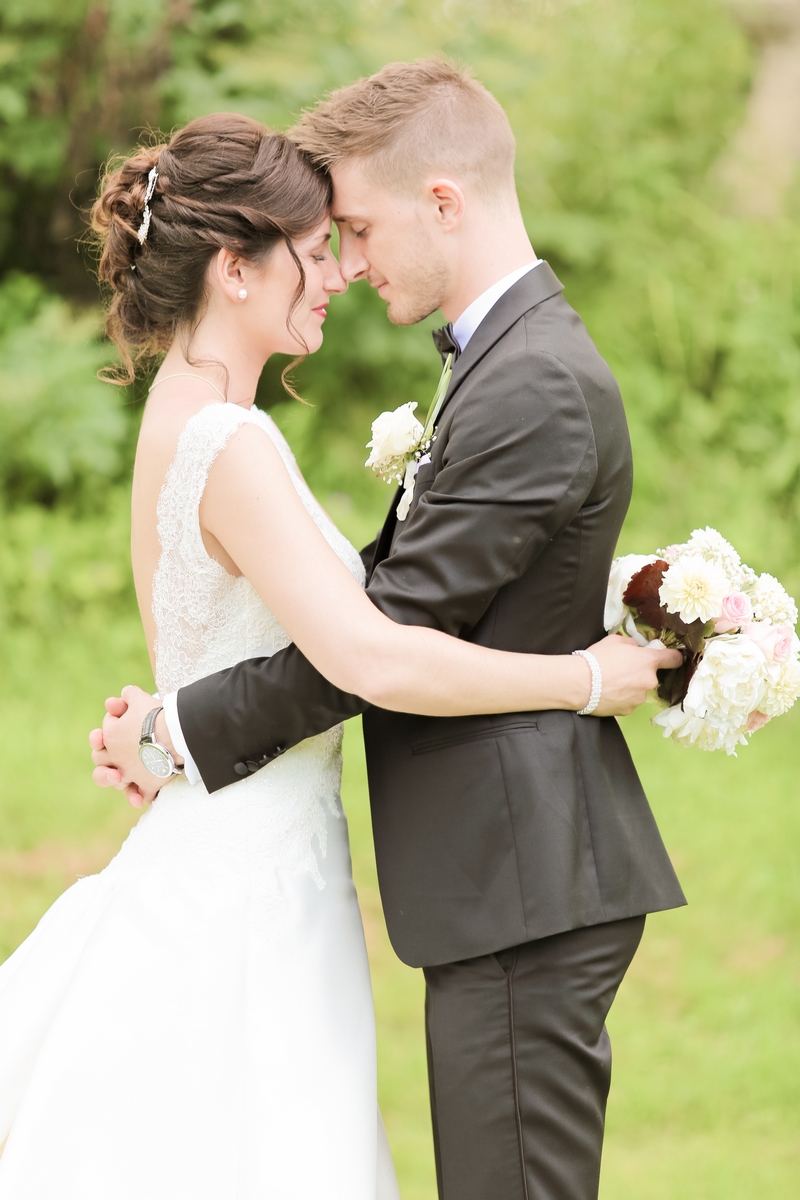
(597, 682)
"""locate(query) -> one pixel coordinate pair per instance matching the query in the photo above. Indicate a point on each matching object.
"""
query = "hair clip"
(148, 196)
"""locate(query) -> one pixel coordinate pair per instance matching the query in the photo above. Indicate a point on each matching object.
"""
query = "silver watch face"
(157, 761)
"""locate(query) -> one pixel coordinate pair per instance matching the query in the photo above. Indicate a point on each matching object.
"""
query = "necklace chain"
(188, 375)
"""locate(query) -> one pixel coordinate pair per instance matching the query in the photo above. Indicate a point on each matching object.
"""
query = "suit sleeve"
(517, 466)
(368, 555)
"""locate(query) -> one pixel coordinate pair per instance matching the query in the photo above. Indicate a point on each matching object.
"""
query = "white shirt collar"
(472, 316)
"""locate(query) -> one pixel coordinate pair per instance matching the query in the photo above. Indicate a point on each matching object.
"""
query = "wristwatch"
(154, 756)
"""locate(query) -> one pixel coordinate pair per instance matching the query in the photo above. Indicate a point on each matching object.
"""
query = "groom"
(517, 854)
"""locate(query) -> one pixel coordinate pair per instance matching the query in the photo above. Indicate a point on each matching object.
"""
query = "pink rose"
(774, 641)
(736, 612)
(757, 721)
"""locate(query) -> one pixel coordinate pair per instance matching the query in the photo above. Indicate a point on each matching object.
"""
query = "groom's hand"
(115, 747)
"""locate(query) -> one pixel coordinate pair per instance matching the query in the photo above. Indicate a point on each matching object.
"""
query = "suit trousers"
(519, 1063)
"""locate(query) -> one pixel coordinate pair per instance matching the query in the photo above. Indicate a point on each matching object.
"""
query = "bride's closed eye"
(323, 254)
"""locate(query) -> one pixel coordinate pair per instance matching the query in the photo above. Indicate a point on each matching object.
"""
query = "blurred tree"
(59, 435)
(760, 164)
(621, 108)
(78, 78)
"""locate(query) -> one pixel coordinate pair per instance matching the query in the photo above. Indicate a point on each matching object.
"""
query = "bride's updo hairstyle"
(224, 181)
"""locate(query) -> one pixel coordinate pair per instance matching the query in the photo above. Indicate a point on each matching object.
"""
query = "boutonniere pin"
(400, 442)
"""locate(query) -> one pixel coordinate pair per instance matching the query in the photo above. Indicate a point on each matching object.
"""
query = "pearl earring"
(242, 293)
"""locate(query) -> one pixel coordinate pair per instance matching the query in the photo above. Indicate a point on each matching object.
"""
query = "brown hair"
(223, 181)
(412, 118)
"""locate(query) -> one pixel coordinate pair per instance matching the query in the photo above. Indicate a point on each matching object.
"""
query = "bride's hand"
(629, 672)
(115, 748)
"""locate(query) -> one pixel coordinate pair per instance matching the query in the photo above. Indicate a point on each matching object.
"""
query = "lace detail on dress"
(206, 619)
(273, 825)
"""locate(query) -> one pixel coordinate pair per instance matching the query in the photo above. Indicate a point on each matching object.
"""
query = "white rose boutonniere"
(400, 443)
(395, 435)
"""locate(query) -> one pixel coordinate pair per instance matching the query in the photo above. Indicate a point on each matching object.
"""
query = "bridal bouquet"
(736, 628)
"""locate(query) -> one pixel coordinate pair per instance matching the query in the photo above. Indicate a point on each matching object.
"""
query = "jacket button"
(279, 750)
(252, 766)
(240, 768)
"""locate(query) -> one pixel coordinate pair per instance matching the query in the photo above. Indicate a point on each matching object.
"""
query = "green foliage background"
(621, 109)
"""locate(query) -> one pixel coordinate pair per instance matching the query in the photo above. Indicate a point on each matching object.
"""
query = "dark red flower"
(642, 595)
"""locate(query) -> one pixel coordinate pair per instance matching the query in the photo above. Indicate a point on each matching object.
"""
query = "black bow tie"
(445, 342)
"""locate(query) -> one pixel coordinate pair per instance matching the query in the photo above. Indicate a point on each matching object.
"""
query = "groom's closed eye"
(341, 222)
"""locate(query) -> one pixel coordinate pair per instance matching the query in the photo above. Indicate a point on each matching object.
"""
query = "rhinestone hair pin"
(144, 228)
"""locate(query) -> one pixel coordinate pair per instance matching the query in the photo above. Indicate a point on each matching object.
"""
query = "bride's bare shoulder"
(165, 417)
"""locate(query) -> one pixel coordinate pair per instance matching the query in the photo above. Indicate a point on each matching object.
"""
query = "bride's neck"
(222, 360)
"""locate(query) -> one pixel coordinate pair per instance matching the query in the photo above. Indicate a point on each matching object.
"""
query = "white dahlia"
(771, 601)
(711, 546)
(695, 588)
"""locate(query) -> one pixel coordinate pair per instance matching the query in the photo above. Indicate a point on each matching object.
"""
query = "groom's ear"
(447, 200)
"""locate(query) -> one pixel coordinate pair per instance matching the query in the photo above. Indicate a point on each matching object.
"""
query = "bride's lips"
(321, 310)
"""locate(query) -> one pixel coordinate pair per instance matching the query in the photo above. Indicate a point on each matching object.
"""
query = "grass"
(706, 1029)
(707, 1026)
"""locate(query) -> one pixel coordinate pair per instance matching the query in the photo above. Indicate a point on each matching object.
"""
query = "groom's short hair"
(412, 119)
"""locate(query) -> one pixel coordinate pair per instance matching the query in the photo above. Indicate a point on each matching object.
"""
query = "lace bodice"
(206, 619)
(275, 825)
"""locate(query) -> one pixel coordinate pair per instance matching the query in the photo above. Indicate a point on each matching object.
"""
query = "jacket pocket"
(476, 735)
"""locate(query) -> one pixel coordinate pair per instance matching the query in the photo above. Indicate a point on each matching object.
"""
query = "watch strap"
(149, 725)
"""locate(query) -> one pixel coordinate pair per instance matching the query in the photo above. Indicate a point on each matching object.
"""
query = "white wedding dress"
(195, 1022)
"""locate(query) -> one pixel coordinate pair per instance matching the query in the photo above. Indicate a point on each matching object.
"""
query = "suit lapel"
(537, 286)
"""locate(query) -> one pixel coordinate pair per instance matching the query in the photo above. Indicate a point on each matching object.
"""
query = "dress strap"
(204, 436)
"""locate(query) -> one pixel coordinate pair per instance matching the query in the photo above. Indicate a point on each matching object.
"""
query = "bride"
(196, 1020)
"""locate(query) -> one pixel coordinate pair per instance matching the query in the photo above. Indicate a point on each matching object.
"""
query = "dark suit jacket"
(489, 830)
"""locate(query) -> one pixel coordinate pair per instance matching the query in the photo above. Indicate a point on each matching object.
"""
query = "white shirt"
(463, 330)
(471, 317)
(170, 703)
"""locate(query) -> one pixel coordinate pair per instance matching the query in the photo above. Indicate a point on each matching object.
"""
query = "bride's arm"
(252, 509)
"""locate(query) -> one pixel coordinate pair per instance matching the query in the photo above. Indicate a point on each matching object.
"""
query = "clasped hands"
(115, 746)
(629, 672)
